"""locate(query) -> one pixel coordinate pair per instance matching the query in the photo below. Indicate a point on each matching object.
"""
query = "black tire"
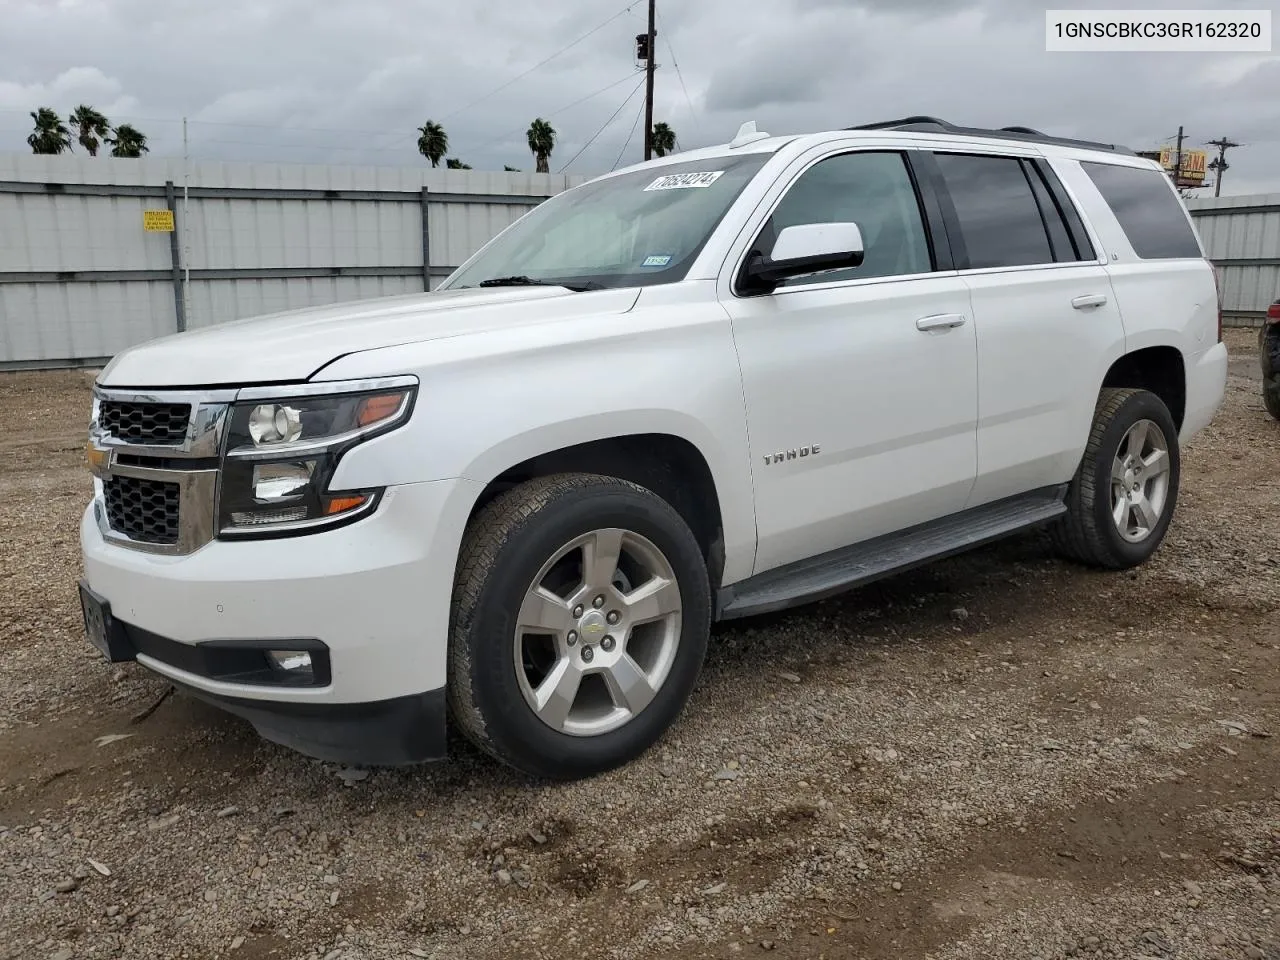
(1088, 533)
(505, 546)
(1271, 396)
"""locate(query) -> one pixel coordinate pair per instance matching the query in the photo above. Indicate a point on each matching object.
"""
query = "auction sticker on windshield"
(683, 181)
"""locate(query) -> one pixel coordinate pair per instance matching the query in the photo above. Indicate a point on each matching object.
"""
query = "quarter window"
(998, 215)
(1148, 210)
(873, 190)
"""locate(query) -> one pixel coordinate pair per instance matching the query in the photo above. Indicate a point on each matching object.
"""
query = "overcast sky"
(347, 82)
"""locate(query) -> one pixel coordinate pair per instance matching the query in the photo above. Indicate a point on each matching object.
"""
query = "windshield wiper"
(515, 282)
(523, 281)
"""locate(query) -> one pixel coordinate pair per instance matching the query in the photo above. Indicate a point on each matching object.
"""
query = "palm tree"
(453, 163)
(50, 135)
(128, 141)
(664, 139)
(433, 142)
(92, 125)
(542, 140)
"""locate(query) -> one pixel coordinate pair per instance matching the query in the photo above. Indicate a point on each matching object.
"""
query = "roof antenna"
(747, 134)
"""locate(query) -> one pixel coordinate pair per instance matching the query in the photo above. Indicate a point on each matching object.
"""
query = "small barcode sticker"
(684, 181)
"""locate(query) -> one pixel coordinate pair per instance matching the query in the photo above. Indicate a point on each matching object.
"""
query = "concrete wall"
(80, 279)
(1242, 236)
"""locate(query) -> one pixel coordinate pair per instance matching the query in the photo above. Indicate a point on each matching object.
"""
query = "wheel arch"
(1160, 369)
(662, 457)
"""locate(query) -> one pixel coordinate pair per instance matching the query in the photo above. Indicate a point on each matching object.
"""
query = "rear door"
(1047, 323)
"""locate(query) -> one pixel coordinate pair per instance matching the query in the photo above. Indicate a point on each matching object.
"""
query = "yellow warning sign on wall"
(157, 221)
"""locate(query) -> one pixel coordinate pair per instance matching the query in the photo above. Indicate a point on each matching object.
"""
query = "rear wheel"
(1271, 395)
(1269, 357)
(580, 622)
(1123, 495)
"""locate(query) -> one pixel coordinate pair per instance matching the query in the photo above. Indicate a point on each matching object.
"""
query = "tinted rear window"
(1148, 210)
(998, 215)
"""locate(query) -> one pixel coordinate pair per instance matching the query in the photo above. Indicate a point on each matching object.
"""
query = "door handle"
(1089, 300)
(940, 321)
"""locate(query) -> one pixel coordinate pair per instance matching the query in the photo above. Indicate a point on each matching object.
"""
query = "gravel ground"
(1002, 755)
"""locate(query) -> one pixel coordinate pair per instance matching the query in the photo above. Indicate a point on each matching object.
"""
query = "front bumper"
(394, 732)
(375, 594)
(384, 733)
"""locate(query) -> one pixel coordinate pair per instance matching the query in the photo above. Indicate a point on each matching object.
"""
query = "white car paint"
(1163, 302)
(1040, 361)
(892, 407)
(912, 424)
(293, 345)
(361, 588)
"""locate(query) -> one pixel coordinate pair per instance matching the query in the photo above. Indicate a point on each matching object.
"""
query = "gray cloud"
(347, 82)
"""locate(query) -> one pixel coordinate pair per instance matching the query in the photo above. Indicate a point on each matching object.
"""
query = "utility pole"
(1177, 159)
(648, 83)
(1220, 166)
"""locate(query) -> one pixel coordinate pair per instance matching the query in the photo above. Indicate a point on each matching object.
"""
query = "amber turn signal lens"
(97, 459)
(343, 504)
(376, 409)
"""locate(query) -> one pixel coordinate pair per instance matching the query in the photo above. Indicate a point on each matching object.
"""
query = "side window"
(1148, 210)
(873, 190)
(999, 219)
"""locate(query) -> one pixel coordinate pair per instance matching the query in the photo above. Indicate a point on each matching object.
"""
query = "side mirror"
(806, 248)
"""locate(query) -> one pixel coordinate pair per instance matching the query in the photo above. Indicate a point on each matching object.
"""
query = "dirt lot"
(999, 756)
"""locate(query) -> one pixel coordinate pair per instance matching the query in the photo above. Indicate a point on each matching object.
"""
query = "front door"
(860, 384)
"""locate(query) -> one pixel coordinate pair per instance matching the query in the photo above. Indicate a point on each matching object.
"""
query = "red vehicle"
(1269, 351)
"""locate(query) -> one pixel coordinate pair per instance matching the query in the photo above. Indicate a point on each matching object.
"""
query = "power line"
(383, 132)
(602, 129)
(687, 99)
(639, 114)
(540, 63)
(557, 110)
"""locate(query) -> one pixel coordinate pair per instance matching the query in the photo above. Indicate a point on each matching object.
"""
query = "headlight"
(282, 453)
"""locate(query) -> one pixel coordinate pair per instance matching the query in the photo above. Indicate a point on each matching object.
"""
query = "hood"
(291, 346)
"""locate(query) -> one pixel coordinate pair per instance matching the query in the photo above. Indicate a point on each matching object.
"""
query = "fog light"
(274, 423)
(296, 663)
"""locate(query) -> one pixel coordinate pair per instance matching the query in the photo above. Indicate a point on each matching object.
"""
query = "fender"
(490, 401)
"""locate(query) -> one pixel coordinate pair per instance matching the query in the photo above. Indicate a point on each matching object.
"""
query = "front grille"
(153, 424)
(143, 510)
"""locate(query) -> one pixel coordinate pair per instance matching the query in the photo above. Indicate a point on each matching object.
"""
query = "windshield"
(636, 229)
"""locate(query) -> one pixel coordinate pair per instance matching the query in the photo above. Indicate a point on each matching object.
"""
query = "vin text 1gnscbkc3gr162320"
(716, 384)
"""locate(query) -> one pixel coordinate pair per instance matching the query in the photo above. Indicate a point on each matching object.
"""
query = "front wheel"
(580, 622)
(1123, 495)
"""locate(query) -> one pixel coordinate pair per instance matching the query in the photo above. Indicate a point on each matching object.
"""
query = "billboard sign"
(1194, 165)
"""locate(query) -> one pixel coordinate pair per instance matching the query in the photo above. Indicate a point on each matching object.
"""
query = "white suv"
(724, 382)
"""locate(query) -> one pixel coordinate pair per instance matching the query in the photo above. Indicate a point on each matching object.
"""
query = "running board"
(817, 578)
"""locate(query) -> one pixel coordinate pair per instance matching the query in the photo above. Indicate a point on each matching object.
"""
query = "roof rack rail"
(923, 124)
